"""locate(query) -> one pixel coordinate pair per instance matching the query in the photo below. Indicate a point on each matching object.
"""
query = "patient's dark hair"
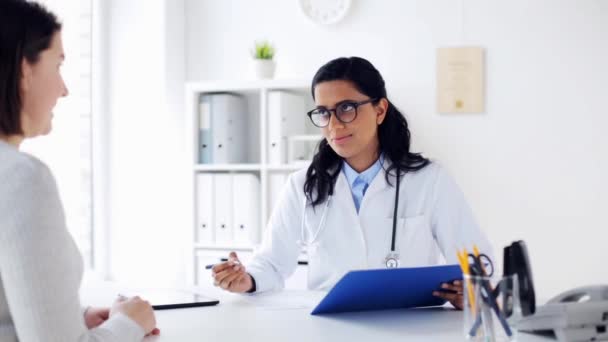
(26, 29)
(393, 133)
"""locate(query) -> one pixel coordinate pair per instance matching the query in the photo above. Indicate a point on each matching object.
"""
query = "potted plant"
(263, 54)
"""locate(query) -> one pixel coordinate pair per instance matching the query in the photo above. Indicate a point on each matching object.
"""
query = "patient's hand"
(139, 310)
(94, 317)
(454, 295)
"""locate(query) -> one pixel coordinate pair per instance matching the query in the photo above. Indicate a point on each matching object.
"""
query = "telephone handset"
(582, 294)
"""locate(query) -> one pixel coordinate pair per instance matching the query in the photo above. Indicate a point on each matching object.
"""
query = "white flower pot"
(264, 68)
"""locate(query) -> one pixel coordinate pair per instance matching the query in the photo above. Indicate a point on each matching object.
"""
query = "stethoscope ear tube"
(303, 238)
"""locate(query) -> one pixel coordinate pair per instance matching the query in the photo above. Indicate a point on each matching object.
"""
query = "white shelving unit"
(256, 95)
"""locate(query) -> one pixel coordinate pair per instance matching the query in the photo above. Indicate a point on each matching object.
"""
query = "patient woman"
(40, 266)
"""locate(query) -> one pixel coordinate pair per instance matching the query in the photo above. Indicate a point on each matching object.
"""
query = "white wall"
(533, 166)
(146, 158)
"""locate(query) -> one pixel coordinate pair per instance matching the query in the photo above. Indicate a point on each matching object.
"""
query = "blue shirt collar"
(367, 176)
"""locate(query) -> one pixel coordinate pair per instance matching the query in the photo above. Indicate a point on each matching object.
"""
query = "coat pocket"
(416, 244)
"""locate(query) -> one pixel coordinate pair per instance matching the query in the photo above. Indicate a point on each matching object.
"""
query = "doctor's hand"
(231, 275)
(452, 293)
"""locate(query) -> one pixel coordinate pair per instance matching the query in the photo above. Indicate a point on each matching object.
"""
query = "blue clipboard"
(391, 288)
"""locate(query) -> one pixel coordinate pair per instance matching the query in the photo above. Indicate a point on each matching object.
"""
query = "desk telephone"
(579, 314)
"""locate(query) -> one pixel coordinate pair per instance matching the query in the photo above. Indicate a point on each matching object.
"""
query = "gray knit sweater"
(40, 265)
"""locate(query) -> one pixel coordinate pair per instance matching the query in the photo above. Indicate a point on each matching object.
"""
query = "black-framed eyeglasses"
(345, 111)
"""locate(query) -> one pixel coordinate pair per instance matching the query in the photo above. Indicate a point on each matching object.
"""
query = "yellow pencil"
(476, 250)
(464, 264)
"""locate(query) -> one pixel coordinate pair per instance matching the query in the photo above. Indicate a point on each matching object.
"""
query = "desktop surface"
(285, 316)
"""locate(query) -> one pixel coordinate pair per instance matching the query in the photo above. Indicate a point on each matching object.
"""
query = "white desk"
(270, 318)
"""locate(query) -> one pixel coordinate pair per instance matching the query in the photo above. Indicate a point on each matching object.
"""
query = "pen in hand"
(208, 267)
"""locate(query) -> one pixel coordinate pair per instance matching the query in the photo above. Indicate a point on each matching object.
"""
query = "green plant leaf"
(263, 50)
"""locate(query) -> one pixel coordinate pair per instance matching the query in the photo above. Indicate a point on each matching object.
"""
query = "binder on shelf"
(246, 208)
(205, 209)
(204, 124)
(223, 209)
(223, 134)
(286, 117)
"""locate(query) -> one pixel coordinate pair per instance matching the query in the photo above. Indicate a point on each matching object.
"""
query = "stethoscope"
(392, 258)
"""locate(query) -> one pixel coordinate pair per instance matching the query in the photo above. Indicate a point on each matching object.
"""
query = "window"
(67, 150)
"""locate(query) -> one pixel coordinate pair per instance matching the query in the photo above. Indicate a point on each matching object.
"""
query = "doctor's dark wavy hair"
(393, 133)
(26, 29)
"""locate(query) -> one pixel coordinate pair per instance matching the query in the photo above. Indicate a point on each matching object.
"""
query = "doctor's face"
(357, 139)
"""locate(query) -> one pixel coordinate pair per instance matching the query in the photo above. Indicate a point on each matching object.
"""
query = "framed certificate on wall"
(460, 80)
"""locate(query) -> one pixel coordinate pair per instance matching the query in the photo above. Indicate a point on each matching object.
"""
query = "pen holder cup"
(491, 308)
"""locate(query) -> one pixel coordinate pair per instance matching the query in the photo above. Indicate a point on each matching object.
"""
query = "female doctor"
(365, 202)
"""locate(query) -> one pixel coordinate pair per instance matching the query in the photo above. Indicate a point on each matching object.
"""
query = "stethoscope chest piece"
(392, 260)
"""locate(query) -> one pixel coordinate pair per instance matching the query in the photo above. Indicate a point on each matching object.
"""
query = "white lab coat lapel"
(378, 185)
(345, 215)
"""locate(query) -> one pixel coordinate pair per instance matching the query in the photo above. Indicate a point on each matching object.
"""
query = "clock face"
(325, 11)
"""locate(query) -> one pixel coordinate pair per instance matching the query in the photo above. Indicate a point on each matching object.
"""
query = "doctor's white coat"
(434, 221)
